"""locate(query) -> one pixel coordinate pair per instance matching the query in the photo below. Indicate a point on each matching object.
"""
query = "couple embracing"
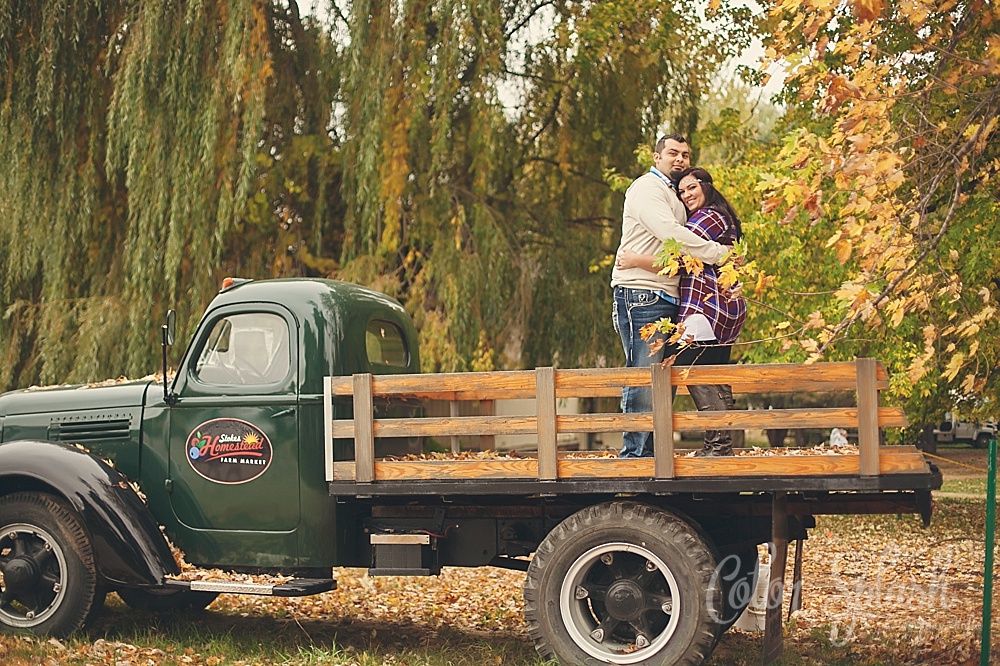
(675, 201)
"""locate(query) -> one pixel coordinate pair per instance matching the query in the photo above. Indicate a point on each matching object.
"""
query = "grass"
(975, 486)
(212, 638)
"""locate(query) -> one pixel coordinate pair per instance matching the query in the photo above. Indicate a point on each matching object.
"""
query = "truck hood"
(74, 398)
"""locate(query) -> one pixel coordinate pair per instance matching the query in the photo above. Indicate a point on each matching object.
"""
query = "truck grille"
(90, 430)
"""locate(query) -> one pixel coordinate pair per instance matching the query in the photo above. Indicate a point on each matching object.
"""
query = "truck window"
(385, 344)
(245, 350)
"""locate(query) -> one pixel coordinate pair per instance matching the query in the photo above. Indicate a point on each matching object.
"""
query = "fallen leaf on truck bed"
(752, 452)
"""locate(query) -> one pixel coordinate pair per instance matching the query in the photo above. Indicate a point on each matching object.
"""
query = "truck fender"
(129, 548)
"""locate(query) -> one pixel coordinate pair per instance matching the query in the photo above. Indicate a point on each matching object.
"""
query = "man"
(675, 154)
(652, 214)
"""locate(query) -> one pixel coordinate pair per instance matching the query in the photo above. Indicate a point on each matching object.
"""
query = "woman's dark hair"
(714, 198)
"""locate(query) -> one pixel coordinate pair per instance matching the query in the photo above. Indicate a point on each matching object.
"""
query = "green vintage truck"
(265, 454)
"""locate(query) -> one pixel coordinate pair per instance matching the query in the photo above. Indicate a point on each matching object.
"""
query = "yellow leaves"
(844, 250)
(984, 136)
(860, 142)
(782, 326)
(693, 265)
(991, 59)
(887, 164)
(811, 346)
(954, 366)
(896, 312)
(815, 321)
(763, 282)
(851, 292)
(916, 12)
(605, 263)
(729, 276)
(670, 266)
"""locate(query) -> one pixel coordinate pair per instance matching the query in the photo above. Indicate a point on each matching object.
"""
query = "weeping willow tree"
(450, 153)
(137, 141)
(477, 138)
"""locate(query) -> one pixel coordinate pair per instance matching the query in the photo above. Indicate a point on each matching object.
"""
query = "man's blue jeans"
(633, 309)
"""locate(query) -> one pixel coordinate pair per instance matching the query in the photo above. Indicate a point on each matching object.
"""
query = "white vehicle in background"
(976, 433)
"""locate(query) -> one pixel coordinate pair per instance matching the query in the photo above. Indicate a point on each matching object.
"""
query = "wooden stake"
(364, 427)
(545, 395)
(868, 439)
(663, 423)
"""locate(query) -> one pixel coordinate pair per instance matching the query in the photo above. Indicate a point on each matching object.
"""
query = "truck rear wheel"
(166, 601)
(623, 583)
(48, 580)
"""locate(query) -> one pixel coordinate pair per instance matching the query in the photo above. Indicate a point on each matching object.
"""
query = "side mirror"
(168, 330)
(171, 326)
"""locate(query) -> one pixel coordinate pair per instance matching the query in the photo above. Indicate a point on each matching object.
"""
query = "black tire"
(97, 607)
(48, 580)
(737, 574)
(166, 601)
(623, 583)
(982, 441)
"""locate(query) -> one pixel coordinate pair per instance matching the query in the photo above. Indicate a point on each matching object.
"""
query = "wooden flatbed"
(500, 508)
(873, 467)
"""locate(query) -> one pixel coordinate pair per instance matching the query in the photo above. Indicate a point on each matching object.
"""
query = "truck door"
(234, 446)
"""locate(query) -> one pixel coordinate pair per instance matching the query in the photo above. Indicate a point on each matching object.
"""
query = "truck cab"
(953, 429)
(228, 453)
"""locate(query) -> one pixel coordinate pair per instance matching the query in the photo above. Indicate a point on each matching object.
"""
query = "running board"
(297, 587)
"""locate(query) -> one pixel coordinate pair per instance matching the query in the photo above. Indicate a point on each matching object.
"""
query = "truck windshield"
(244, 350)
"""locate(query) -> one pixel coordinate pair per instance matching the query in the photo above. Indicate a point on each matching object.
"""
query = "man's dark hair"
(667, 137)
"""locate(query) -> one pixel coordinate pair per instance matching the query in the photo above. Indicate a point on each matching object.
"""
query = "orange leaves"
(771, 204)
(869, 10)
(839, 89)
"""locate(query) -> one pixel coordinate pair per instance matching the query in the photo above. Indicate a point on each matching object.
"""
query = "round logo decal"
(228, 451)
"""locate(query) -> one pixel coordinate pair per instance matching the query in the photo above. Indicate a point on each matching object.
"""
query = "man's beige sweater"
(653, 213)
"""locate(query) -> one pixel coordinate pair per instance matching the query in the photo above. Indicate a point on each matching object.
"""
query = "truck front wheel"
(623, 583)
(48, 579)
(982, 441)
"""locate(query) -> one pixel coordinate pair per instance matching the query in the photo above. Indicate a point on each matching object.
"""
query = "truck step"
(297, 587)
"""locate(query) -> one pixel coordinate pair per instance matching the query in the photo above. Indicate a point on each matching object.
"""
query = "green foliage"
(451, 154)
(888, 167)
(147, 150)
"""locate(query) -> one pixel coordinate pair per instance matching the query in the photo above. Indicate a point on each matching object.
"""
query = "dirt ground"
(963, 458)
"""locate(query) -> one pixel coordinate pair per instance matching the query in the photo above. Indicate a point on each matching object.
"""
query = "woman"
(710, 317)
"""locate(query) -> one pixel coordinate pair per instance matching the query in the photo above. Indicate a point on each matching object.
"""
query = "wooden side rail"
(608, 382)
(865, 377)
(760, 419)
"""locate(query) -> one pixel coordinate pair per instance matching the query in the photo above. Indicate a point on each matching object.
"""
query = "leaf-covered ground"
(877, 590)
